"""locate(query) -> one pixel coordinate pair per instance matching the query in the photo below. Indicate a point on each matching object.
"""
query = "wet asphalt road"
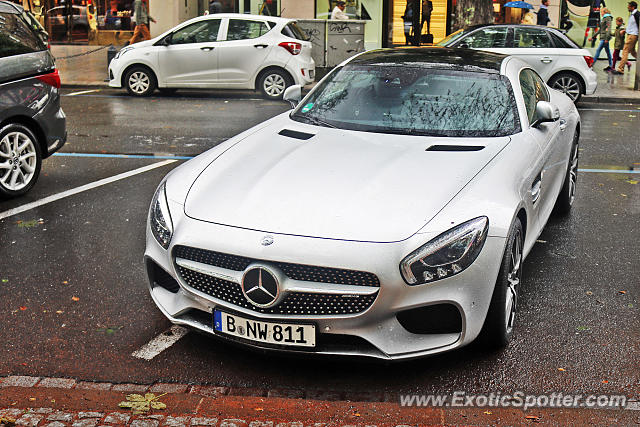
(74, 301)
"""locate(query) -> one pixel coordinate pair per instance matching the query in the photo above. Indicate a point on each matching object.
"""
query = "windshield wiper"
(314, 120)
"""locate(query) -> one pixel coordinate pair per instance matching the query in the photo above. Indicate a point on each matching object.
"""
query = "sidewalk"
(84, 66)
(58, 402)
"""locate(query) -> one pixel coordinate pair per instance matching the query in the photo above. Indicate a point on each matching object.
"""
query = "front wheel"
(20, 160)
(273, 83)
(569, 84)
(498, 326)
(568, 192)
(140, 81)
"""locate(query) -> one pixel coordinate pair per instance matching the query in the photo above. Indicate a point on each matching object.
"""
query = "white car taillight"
(293, 47)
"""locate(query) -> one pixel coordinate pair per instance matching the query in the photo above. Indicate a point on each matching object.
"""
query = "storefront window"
(353, 9)
(430, 16)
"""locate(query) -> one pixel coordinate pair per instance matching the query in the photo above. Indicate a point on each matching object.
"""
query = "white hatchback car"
(230, 51)
(556, 58)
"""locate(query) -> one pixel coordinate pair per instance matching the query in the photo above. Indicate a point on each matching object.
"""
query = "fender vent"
(295, 134)
(455, 148)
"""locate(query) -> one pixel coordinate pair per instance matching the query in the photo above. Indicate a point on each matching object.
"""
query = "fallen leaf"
(589, 293)
(622, 292)
(561, 369)
(23, 308)
(605, 382)
(582, 328)
(487, 412)
(5, 280)
(59, 312)
(141, 404)
(623, 195)
(532, 417)
(258, 409)
(64, 282)
(32, 399)
(357, 414)
(75, 298)
(631, 181)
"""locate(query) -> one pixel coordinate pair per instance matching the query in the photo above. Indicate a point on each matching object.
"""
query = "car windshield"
(451, 38)
(412, 101)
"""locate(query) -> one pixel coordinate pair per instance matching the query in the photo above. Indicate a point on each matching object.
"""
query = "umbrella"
(519, 4)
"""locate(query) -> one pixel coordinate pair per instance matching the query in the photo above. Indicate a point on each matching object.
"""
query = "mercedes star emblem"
(260, 287)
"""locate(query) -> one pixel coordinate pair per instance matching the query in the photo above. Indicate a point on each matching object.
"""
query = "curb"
(59, 402)
(609, 100)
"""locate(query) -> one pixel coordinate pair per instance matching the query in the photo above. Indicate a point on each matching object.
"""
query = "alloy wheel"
(274, 85)
(573, 174)
(139, 82)
(17, 161)
(513, 279)
(569, 86)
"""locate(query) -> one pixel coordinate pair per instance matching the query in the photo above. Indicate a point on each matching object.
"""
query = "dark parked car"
(32, 124)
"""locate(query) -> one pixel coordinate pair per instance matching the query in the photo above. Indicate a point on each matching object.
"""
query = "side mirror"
(545, 112)
(463, 45)
(293, 94)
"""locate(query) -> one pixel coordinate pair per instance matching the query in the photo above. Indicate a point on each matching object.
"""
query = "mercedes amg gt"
(387, 215)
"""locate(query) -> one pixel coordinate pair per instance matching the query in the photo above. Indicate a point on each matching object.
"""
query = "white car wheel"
(568, 84)
(140, 82)
(273, 84)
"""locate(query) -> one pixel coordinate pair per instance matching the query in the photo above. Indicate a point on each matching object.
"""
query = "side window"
(486, 38)
(240, 29)
(533, 90)
(15, 36)
(530, 37)
(200, 32)
(559, 42)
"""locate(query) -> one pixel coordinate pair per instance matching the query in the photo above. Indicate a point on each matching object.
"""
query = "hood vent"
(455, 148)
(295, 134)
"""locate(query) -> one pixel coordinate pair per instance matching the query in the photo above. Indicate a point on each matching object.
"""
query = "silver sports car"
(387, 215)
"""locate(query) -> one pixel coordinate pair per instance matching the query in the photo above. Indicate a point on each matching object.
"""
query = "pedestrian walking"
(427, 8)
(215, 7)
(618, 43)
(631, 37)
(338, 11)
(407, 20)
(605, 36)
(543, 13)
(141, 12)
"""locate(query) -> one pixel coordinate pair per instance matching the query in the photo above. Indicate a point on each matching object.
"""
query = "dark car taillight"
(52, 79)
(589, 60)
(293, 47)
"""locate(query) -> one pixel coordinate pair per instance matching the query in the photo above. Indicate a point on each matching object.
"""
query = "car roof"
(475, 27)
(433, 57)
(246, 15)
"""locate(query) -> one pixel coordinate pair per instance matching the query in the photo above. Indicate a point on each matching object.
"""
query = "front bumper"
(375, 332)
(115, 74)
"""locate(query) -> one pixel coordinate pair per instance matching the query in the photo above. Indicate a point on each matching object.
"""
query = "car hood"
(337, 184)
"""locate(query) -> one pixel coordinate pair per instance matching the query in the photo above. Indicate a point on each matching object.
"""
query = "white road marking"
(82, 188)
(82, 92)
(160, 343)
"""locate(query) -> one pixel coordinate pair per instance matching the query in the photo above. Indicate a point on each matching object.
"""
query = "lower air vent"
(431, 319)
(455, 148)
(295, 134)
(159, 277)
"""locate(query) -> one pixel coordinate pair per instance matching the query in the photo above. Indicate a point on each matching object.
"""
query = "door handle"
(260, 46)
(563, 125)
(207, 48)
(546, 60)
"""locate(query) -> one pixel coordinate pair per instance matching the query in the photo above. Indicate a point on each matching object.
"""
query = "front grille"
(295, 303)
(307, 273)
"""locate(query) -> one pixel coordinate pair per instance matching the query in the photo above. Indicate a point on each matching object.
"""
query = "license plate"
(265, 332)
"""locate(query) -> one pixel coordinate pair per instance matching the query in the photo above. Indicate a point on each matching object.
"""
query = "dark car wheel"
(498, 326)
(568, 84)
(568, 192)
(20, 160)
(272, 83)
(140, 81)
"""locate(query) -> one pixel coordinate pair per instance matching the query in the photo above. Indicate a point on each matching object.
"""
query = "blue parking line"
(124, 156)
(155, 157)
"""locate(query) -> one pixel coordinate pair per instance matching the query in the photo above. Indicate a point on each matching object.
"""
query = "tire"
(272, 83)
(20, 160)
(568, 192)
(140, 81)
(498, 326)
(569, 84)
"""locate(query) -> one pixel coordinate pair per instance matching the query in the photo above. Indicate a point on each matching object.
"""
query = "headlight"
(160, 219)
(446, 255)
(122, 52)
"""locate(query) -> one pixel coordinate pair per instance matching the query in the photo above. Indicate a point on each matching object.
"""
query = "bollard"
(111, 53)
